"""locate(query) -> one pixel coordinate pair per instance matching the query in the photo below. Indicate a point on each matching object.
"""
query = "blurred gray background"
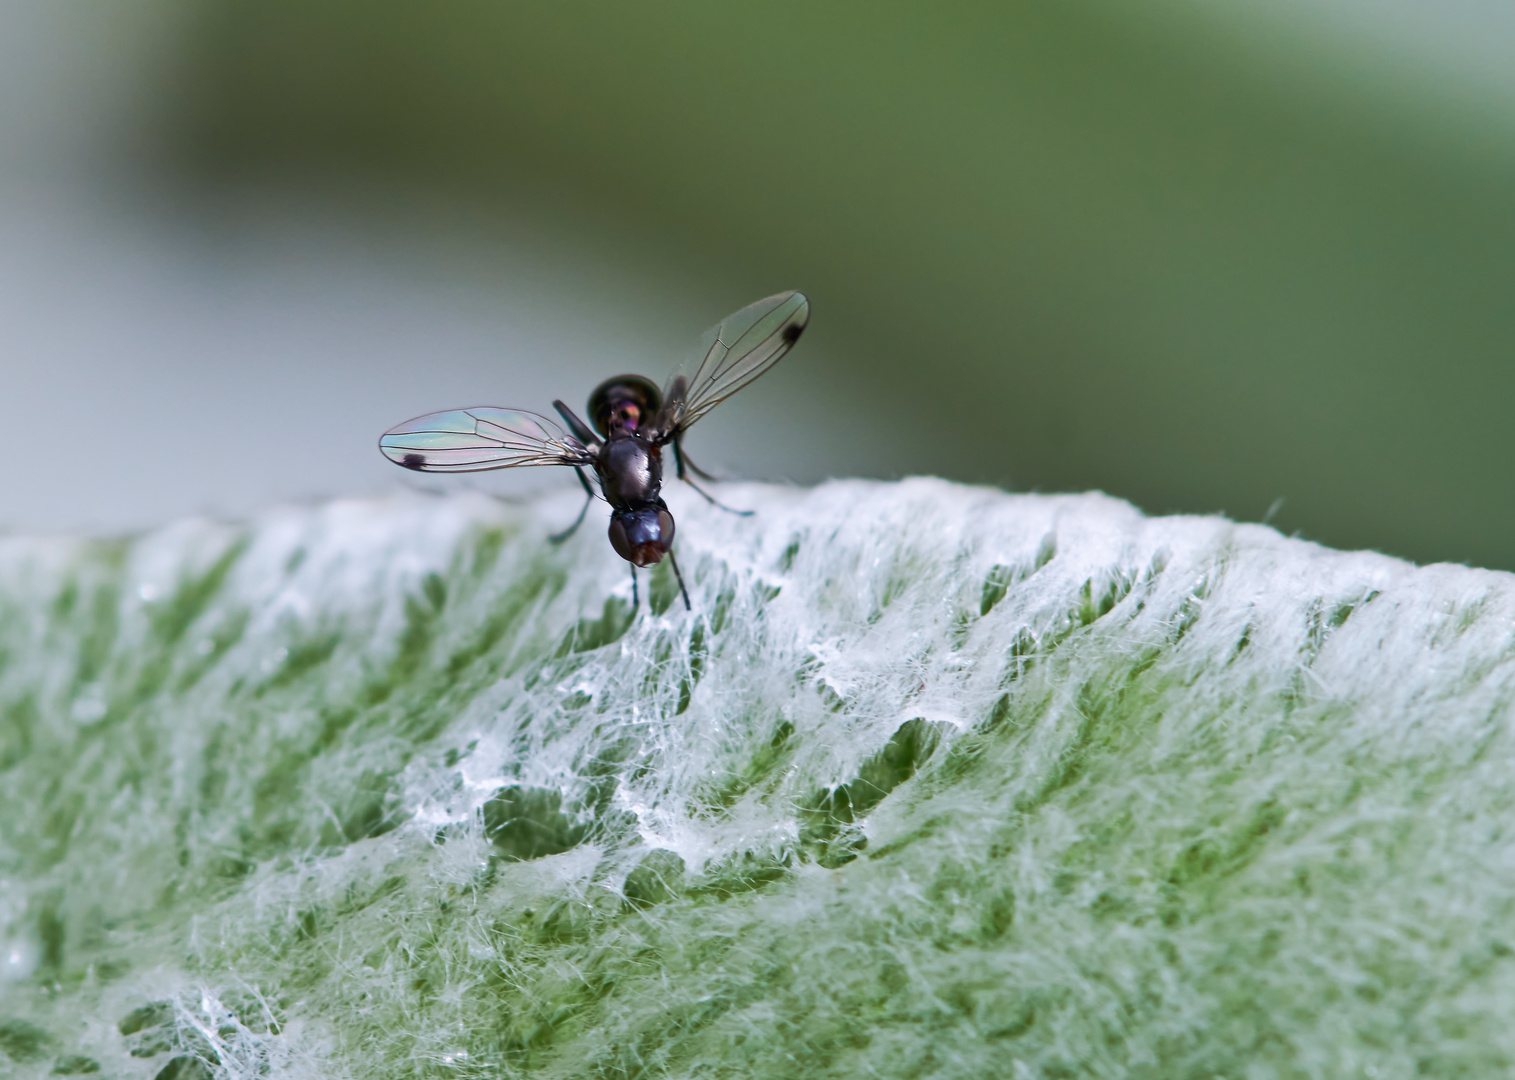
(1256, 260)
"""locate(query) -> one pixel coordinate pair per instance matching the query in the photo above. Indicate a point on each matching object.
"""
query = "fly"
(632, 421)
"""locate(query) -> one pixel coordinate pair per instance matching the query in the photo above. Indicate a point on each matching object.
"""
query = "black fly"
(632, 420)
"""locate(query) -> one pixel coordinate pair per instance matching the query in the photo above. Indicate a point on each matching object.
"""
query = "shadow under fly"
(632, 422)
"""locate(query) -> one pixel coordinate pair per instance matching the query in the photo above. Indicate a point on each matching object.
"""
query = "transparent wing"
(740, 349)
(470, 440)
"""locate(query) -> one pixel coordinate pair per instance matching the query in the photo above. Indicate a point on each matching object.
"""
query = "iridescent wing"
(470, 440)
(742, 348)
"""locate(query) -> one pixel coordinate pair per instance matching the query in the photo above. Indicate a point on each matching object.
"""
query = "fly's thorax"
(631, 471)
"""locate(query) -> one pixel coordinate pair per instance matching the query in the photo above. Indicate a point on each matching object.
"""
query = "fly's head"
(642, 537)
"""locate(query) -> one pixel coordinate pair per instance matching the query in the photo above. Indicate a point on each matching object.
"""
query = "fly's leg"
(682, 462)
(680, 577)
(582, 431)
(558, 538)
(689, 462)
(713, 501)
(634, 600)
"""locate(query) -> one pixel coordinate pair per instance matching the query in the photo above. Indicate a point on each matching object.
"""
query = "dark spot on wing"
(792, 332)
(413, 461)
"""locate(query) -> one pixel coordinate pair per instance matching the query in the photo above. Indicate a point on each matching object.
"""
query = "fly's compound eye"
(642, 537)
(618, 539)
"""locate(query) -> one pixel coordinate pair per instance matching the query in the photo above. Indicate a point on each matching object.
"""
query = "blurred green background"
(1202, 259)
